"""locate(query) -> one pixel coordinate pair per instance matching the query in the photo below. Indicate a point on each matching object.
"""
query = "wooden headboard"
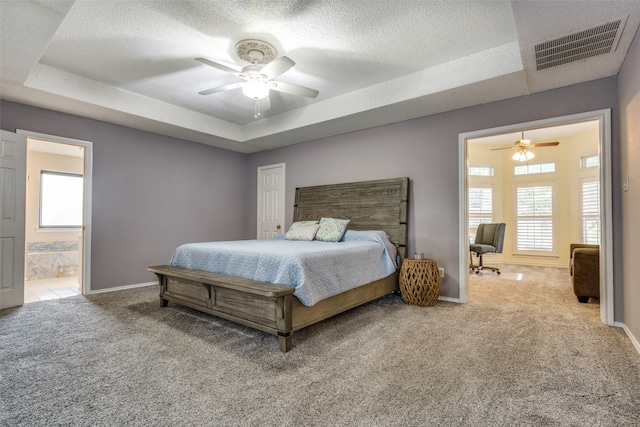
(370, 205)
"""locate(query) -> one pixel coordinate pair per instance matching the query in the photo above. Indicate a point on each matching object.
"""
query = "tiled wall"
(46, 260)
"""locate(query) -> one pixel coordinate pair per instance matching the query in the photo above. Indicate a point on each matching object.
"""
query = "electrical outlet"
(441, 271)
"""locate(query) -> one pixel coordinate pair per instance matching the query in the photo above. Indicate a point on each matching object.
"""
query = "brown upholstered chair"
(584, 269)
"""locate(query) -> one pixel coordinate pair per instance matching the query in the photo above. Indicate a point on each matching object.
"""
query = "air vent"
(581, 45)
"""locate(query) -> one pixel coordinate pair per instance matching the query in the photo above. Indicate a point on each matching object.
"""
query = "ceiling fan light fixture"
(523, 156)
(255, 89)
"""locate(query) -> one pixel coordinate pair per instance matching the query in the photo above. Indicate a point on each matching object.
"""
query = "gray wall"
(426, 150)
(629, 99)
(151, 193)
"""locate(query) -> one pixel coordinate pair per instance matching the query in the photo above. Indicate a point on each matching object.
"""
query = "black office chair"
(489, 239)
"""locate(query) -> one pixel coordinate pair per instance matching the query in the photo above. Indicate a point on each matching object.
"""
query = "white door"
(270, 201)
(13, 179)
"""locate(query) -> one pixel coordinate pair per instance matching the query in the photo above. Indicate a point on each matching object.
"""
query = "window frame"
(584, 159)
(539, 163)
(490, 169)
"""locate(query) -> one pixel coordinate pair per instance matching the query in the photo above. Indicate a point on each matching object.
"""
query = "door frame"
(85, 280)
(606, 211)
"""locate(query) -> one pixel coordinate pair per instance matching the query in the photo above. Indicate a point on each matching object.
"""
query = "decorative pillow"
(331, 229)
(301, 223)
(302, 232)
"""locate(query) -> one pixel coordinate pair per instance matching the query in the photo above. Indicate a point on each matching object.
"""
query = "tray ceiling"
(133, 62)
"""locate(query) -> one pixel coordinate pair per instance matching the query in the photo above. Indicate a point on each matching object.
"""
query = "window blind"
(534, 224)
(591, 211)
(480, 208)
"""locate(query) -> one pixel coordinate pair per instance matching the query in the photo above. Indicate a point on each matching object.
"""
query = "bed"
(273, 308)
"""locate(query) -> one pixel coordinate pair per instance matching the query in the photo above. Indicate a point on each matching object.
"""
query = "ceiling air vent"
(581, 45)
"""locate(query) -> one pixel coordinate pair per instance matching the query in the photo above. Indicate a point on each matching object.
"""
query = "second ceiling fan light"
(522, 146)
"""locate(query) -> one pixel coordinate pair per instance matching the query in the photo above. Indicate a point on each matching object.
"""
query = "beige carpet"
(521, 352)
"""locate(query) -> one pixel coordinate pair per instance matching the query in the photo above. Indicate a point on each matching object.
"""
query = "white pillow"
(299, 223)
(302, 232)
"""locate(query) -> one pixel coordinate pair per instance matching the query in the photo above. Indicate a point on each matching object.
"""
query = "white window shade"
(591, 211)
(480, 208)
(535, 219)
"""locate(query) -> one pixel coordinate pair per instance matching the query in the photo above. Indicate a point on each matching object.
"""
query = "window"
(60, 200)
(590, 161)
(591, 211)
(480, 209)
(480, 170)
(533, 168)
(534, 218)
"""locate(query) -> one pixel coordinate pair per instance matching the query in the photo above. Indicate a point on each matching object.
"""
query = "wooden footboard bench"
(264, 306)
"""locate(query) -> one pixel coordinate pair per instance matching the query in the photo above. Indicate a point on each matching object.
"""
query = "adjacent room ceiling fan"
(259, 74)
(523, 145)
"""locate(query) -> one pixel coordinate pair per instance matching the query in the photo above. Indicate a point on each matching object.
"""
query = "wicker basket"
(419, 282)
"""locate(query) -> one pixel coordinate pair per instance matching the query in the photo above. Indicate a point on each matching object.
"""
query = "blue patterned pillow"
(331, 229)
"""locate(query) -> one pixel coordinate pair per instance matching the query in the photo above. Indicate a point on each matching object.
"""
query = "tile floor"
(46, 289)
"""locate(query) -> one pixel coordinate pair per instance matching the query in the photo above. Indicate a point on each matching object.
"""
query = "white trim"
(463, 220)
(122, 288)
(627, 331)
(88, 186)
(606, 244)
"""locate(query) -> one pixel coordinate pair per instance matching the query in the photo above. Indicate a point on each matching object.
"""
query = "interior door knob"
(278, 226)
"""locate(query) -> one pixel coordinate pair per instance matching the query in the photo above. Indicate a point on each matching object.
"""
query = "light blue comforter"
(317, 270)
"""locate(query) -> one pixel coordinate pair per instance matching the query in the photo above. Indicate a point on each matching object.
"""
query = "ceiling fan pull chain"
(257, 108)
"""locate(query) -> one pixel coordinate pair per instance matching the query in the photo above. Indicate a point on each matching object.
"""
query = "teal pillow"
(331, 229)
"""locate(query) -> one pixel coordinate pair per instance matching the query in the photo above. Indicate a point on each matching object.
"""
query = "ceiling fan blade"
(502, 148)
(221, 88)
(545, 144)
(219, 66)
(276, 67)
(294, 89)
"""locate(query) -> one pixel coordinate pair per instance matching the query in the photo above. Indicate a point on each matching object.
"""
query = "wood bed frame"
(272, 308)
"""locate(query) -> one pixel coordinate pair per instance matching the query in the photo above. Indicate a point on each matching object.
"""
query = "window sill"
(536, 255)
(58, 230)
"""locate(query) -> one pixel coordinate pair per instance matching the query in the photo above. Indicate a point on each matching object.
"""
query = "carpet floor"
(521, 352)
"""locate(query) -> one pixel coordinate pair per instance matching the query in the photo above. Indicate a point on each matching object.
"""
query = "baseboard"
(530, 264)
(449, 299)
(121, 288)
(627, 331)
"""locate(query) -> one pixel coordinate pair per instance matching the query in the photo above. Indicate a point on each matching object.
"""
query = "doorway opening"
(581, 226)
(57, 217)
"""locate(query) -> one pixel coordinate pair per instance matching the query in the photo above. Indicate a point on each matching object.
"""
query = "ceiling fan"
(259, 74)
(523, 145)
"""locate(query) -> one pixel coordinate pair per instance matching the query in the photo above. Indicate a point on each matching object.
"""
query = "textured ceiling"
(374, 62)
